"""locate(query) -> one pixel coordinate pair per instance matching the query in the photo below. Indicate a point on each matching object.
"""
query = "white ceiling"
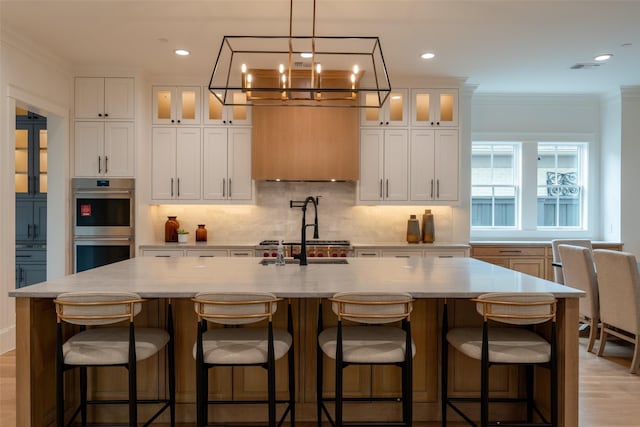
(501, 46)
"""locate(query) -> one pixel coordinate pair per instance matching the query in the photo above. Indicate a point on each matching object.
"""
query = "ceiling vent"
(584, 66)
(301, 64)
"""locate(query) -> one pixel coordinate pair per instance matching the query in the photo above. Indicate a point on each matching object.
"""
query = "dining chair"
(369, 337)
(101, 342)
(234, 343)
(619, 286)
(557, 258)
(579, 272)
(516, 344)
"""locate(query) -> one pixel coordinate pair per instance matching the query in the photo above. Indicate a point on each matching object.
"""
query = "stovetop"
(309, 243)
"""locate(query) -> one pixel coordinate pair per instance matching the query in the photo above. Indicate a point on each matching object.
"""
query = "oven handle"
(99, 192)
(101, 239)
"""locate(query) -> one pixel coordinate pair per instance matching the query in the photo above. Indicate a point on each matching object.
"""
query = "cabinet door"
(446, 164)
(188, 105)
(40, 220)
(89, 97)
(188, 164)
(163, 163)
(32, 273)
(371, 164)
(215, 113)
(396, 157)
(394, 112)
(434, 107)
(422, 164)
(531, 266)
(239, 164)
(88, 149)
(119, 98)
(164, 105)
(215, 163)
(118, 149)
(24, 219)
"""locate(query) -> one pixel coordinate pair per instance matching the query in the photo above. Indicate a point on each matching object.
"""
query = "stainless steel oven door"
(92, 252)
(104, 213)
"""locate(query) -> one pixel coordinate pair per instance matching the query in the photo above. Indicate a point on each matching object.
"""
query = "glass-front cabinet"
(394, 112)
(217, 114)
(176, 105)
(30, 153)
(434, 107)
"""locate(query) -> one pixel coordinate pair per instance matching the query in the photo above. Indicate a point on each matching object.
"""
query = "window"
(560, 189)
(494, 190)
(528, 185)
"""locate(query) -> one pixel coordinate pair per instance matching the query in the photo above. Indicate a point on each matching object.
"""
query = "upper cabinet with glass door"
(394, 112)
(176, 105)
(30, 153)
(434, 107)
(234, 115)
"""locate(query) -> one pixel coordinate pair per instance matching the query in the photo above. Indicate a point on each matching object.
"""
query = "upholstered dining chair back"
(97, 308)
(557, 257)
(517, 308)
(235, 308)
(619, 287)
(372, 307)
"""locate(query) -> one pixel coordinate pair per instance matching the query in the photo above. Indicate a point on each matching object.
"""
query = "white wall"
(34, 79)
(518, 117)
(610, 172)
(630, 171)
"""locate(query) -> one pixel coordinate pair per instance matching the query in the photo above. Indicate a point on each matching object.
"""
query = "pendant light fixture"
(319, 71)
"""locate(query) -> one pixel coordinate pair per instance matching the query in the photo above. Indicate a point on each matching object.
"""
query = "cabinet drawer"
(162, 252)
(509, 251)
(31, 255)
(208, 253)
(445, 253)
(402, 254)
(241, 253)
(368, 253)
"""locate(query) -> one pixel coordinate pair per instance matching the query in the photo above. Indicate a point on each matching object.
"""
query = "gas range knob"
(343, 254)
(274, 254)
(320, 254)
(311, 254)
(334, 254)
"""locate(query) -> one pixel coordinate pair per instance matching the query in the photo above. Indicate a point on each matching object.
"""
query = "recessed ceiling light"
(603, 57)
(182, 52)
(306, 54)
(428, 55)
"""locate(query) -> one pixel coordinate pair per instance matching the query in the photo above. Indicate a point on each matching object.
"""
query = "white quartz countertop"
(183, 277)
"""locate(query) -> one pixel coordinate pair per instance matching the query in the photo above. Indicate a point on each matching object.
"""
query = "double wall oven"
(103, 221)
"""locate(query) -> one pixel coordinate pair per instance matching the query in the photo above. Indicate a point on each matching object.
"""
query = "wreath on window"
(562, 184)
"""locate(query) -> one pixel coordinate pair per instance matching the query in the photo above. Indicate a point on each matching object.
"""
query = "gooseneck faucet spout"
(302, 256)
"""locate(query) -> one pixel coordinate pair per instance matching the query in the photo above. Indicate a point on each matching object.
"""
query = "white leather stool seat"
(110, 346)
(506, 345)
(242, 346)
(367, 344)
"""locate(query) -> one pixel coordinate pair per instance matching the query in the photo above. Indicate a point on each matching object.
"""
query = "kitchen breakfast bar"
(431, 281)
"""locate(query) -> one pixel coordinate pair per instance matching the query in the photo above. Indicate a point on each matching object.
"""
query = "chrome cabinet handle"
(432, 189)
(229, 187)
(178, 187)
(171, 187)
(224, 187)
(387, 188)
(381, 188)
(106, 164)
(99, 164)
(438, 188)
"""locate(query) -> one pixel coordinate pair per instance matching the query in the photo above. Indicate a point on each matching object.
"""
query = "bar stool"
(234, 345)
(96, 345)
(505, 345)
(368, 340)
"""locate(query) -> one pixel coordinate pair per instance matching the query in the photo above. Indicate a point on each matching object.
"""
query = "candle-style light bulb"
(318, 80)
(353, 85)
(249, 80)
(243, 68)
(318, 68)
(356, 69)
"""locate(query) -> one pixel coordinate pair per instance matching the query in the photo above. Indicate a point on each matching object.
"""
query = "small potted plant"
(183, 235)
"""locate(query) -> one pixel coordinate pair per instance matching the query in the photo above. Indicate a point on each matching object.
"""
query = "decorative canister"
(428, 227)
(171, 229)
(413, 230)
(201, 233)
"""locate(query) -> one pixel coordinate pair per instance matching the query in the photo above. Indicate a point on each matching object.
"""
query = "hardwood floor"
(609, 394)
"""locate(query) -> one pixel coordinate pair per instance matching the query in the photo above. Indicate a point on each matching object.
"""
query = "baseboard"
(7, 339)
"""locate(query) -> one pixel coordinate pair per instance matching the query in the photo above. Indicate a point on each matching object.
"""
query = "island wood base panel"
(35, 367)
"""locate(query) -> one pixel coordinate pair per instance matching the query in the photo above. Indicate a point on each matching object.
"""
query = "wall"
(517, 117)
(271, 217)
(32, 78)
(630, 175)
(610, 167)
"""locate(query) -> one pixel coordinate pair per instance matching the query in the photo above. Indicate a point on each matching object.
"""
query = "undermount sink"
(272, 261)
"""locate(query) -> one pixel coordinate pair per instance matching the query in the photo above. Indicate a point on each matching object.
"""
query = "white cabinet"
(434, 107)
(104, 149)
(227, 115)
(227, 163)
(176, 164)
(434, 165)
(176, 105)
(384, 173)
(394, 112)
(104, 98)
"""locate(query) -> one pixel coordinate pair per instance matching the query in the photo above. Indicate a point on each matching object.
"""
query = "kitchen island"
(430, 280)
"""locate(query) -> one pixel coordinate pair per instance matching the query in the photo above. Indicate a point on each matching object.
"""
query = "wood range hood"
(297, 143)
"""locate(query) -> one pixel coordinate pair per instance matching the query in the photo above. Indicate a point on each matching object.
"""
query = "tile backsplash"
(271, 218)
